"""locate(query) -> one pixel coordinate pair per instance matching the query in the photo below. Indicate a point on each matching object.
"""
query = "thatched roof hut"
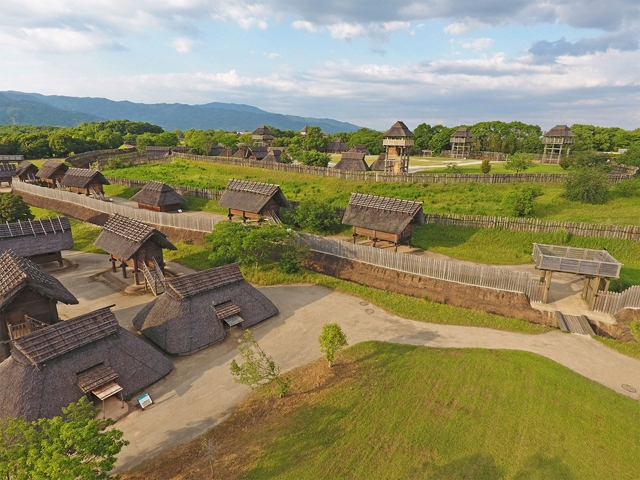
(26, 293)
(159, 197)
(52, 172)
(252, 152)
(252, 199)
(220, 151)
(353, 161)
(40, 241)
(133, 243)
(58, 364)
(262, 133)
(382, 218)
(7, 171)
(360, 148)
(273, 157)
(26, 171)
(304, 130)
(193, 311)
(380, 164)
(398, 130)
(336, 145)
(84, 180)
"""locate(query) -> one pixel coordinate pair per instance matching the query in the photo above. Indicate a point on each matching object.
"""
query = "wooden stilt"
(547, 285)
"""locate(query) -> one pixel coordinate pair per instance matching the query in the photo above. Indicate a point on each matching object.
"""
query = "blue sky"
(370, 63)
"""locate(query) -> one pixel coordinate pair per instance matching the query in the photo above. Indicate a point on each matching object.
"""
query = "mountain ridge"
(170, 116)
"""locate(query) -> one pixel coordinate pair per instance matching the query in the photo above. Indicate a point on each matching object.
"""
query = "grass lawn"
(397, 411)
(496, 167)
(470, 199)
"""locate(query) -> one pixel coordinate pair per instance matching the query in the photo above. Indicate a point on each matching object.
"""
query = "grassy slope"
(397, 411)
(476, 199)
(499, 168)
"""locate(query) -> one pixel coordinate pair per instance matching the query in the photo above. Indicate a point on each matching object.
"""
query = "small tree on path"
(519, 162)
(331, 340)
(258, 368)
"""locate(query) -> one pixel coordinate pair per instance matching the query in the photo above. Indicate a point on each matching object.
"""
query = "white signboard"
(145, 401)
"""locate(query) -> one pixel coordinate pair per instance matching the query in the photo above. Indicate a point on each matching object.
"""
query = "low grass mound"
(397, 411)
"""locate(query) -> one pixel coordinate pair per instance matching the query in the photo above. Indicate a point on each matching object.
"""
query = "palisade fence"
(477, 275)
(83, 160)
(613, 302)
(190, 191)
(580, 229)
(384, 177)
(176, 220)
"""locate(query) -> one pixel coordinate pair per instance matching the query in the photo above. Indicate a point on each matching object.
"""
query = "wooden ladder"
(154, 278)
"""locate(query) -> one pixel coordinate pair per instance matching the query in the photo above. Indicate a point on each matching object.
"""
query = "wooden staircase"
(154, 278)
(578, 324)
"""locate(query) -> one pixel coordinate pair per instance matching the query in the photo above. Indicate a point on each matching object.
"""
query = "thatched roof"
(399, 129)
(36, 237)
(353, 161)
(220, 151)
(560, 131)
(83, 177)
(379, 164)
(18, 273)
(157, 194)
(250, 196)
(50, 367)
(7, 170)
(50, 168)
(189, 315)
(123, 236)
(337, 145)
(360, 148)
(272, 157)
(462, 132)
(305, 129)
(382, 213)
(25, 168)
(262, 130)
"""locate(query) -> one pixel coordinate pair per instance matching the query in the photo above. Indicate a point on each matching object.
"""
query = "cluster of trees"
(46, 142)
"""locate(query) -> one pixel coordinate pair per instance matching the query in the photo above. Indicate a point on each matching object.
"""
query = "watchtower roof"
(399, 129)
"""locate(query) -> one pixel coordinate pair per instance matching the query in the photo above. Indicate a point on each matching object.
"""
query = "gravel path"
(200, 392)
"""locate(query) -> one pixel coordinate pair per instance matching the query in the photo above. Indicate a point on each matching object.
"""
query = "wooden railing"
(613, 302)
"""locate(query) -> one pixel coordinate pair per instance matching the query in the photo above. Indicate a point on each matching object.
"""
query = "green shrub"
(587, 185)
(315, 158)
(453, 168)
(314, 216)
(485, 166)
(521, 203)
(519, 162)
(13, 208)
(561, 237)
(114, 163)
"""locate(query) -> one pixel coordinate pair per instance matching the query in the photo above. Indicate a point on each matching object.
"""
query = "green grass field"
(496, 167)
(470, 199)
(396, 411)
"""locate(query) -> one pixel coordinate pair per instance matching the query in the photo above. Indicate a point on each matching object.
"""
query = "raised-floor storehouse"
(196, 310)
(383, 218)
(26, 172)
(159, 197)
(7, 172)
(41, 241)
(133, 244)
(28, 298)
(85, 181)
(51, 173)
(252, 199)
(88, 355)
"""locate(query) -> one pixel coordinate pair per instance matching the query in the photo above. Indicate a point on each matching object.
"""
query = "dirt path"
(200, 392)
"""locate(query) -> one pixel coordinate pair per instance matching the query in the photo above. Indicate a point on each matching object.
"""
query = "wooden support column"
(585, 289)
(593, 291)
(136, 271)
(547, 285)
(113, 263)
(124, 269)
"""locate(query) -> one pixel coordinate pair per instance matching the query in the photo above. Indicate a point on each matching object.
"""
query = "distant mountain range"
(35, 109)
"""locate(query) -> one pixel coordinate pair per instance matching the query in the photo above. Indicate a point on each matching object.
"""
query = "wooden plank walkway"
(578, 324)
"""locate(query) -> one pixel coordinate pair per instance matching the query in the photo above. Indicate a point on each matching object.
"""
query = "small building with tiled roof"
(52, 172)
(352, 161)
(41, 241)
(7, 172)
(28, 298)
(262, 135)
(134, 244)
(159, 197)
(26, 172)
(85, 181)
(88, 355)
(196, 309)
(557, 143)
(252, 199)
(383, 218)
(336, 145)
(461, 142)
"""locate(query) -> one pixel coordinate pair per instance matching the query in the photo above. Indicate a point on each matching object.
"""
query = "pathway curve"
(200, 392)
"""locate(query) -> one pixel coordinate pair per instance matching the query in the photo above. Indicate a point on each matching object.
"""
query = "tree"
(441, 139)
(145, 140)
(314, 140)
(331, 340)
(61, 144)
(485, 166)
(587, 185)
(75, 446)
(519, 162)
(521, 203)
(315, 216)
(631, 156)
(372, 139)
(315, 158)
(166, 139)
(13, 208)
(258, 368)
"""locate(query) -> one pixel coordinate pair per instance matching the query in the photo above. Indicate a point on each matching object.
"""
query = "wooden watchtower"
(262, 136)
(398, 141)
(461, 142)
(557, 143)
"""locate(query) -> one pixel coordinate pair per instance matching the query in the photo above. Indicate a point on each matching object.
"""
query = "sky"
(366, 62)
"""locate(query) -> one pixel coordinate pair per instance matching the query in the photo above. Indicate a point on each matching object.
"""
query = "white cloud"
(462, 28)
(373, 31)
(184, 45)
(306, 26)
(55, 40)
(272, 56)
(478, 44)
